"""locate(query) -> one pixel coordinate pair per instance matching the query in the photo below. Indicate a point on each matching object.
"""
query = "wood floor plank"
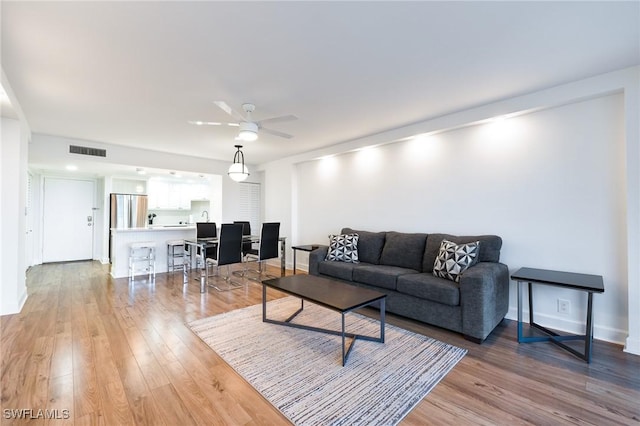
(62, 358)
(192, 396)
(115, 352)
(85, 382)
(36, 385)
(116, 407)
(60, 400)
(106, 370)
(172, 409)
(143, 406)
(13, 379)
(117, 339)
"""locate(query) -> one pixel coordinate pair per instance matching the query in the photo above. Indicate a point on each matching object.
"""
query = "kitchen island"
(121, 238)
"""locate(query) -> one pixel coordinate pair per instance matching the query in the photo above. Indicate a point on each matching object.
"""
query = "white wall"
(278, 201)
(559, 182)
(13, 179)
(550, 183)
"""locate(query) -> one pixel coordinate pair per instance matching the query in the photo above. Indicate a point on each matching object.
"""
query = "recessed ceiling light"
(71, 167)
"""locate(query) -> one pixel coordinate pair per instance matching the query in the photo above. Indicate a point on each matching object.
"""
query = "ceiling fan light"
(248, 131)
(247, 136)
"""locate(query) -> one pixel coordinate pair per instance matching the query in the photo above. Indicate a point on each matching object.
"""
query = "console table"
(582, 282)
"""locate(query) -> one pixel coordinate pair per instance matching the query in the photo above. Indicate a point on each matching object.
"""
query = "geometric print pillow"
(454, 259)
(343, 248)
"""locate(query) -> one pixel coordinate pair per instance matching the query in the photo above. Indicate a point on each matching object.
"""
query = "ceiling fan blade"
(232, 112)
(212, 123)
(204, 123)
(276, 133)
(279, 119)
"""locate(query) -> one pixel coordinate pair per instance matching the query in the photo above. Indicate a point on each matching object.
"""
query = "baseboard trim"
(632, 346)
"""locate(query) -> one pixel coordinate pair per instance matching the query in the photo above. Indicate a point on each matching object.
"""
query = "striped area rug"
(300, 371)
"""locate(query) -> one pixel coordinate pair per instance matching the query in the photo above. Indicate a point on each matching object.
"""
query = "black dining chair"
(229, 252)
(247, 246)
(269, 241)
(207, 230)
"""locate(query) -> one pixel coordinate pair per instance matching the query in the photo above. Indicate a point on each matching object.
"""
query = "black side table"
(307, 248)
(583, 282)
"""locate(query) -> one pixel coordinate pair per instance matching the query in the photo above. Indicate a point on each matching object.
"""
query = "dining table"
(201, 245)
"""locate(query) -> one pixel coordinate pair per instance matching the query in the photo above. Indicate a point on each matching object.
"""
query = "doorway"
(29, 251)
(67, 228)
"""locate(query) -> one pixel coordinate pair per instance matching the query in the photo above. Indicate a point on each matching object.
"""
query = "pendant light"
(238, 171)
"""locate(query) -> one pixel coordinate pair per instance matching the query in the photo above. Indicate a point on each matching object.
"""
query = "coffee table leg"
(343, 348)
(283, 258)
(382, 313)
(264, 303)
(294, 261)
(588, 335)
(519, 285)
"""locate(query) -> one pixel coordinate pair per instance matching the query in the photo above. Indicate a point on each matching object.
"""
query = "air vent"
(85, 150)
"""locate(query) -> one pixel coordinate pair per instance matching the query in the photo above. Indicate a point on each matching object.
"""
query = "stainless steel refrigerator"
(127, 211)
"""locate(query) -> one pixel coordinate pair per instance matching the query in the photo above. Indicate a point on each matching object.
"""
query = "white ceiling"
(134, 73)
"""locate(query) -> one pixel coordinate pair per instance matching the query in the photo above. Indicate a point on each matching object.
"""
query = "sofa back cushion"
(369, 245)
(490, 246)
(404, 250)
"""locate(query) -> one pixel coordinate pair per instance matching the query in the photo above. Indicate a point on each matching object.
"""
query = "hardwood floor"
(89, 349)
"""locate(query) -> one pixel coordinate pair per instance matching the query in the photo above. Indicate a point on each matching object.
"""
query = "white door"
(67, 229)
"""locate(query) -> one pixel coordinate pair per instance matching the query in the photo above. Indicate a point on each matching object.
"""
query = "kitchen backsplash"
(175, 217)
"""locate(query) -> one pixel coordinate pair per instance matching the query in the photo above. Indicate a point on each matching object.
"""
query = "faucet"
(205, 212)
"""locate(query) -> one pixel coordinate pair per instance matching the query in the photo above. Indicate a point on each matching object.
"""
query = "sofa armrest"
(315, 257)
(484, 298)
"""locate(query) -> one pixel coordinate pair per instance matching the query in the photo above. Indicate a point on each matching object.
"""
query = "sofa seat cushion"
(426, 286)
(341, 270)
(404, 250)
(379, 275)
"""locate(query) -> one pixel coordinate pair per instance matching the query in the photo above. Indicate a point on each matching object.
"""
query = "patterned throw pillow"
(343, 248)
(454, 259)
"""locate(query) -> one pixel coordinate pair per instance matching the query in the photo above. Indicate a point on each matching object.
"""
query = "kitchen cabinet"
(169, 195)
(129, 186)
(200, 191)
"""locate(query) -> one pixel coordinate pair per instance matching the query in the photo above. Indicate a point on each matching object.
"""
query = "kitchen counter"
(154, 228)
(121, 238)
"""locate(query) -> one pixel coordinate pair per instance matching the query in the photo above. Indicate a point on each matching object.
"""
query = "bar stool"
(172, 255)
(142, 258)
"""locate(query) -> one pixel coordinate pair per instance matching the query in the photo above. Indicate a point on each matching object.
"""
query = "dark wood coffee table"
(331, 294)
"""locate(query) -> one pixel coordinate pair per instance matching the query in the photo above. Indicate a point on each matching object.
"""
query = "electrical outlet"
(564, 306)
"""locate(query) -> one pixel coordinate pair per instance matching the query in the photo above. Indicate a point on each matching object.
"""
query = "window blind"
(250, 205)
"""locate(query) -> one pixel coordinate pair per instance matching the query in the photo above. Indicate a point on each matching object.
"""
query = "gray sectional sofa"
(401, 266)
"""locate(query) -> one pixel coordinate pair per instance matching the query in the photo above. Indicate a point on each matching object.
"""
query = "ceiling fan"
(248, 127)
